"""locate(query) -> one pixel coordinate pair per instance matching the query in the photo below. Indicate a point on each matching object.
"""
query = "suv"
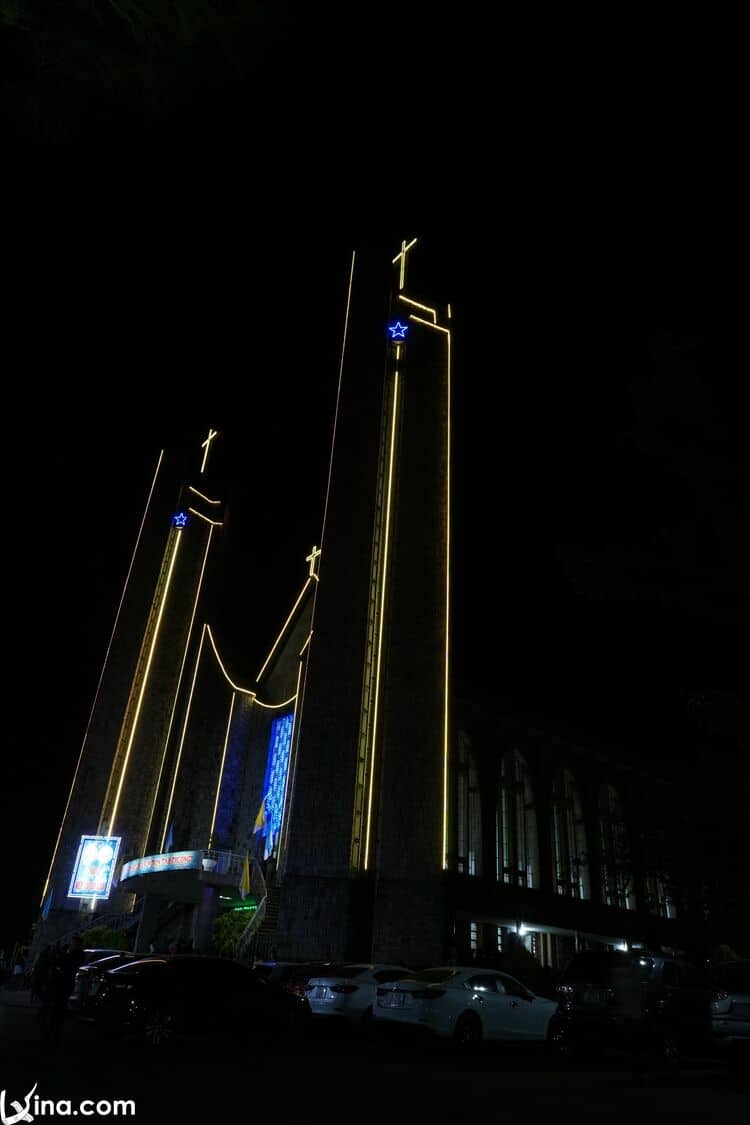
(605, 996)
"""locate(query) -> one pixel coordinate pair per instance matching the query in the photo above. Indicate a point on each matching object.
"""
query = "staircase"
(245, 949)
(267, 932)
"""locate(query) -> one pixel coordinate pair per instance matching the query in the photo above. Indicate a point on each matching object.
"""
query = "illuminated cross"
(402, 255)
(207, 445)
(311, 558)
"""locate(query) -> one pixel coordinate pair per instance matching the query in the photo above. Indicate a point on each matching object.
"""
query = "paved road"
(340, 1076)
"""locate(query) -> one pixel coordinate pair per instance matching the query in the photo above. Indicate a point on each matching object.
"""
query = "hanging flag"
(245, 880)
(260, 820)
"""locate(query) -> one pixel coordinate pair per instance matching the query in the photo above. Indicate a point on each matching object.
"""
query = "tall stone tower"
(119, 804)
(362, 874)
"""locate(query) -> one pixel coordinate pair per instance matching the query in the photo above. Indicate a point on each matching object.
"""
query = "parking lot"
(338, 1074)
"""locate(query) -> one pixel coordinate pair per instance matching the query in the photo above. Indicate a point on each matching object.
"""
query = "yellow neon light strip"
(307, 642)
(101, 677)
(382, 615)
(144, 682)
(213, 523)
(283, 628)
(446, 732)
(221, 770)
(416, 304)
(275, 706)
(227, 677)
(206, 498)
(236, 687)
(182, 739)
(179, 684)
(338, 399)
(285, 811)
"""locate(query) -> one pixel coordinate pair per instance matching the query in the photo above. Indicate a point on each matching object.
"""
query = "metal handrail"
(227, 863)
(259, 890)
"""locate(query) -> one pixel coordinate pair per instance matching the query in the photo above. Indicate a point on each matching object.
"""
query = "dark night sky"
(602, 521)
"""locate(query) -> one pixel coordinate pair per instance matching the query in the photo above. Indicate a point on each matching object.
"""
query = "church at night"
(345, 802)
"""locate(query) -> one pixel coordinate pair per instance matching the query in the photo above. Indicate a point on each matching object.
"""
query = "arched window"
(469, 860)
(616, 867)
(569, 838)
(517, 851)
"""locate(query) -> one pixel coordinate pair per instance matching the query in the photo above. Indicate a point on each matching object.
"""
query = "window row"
(516, 841)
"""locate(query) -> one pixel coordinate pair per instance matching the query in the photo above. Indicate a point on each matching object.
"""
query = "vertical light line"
(447, 618)
(144, 681)
(177, 689)
(384, 584)
(221, 771)
(338, 399)
(182, 738)
(292, 762)
(101, 676)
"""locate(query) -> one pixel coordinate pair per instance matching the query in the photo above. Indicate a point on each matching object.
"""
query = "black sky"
(191, 272)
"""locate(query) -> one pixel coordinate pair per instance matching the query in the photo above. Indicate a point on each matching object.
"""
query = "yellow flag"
(260, 820)
(245, 880)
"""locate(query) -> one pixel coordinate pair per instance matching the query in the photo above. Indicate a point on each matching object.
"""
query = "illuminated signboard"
(168, 861)
(94, 867)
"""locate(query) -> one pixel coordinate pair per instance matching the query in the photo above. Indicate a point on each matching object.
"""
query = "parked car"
(730, 1007)
(605, 997)
(188, 995)
(467, 1004)
(90, 975)
(349, 991)
(291, 975)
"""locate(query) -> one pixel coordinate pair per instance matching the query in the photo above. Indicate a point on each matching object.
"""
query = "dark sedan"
(197, 997)
(90, 976)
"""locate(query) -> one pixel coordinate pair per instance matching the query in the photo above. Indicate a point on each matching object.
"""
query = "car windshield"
(734, 976)
(106, 962)
(435, 976)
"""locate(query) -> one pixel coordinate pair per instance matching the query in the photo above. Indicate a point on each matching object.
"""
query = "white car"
(466, 1004)
(350, 990)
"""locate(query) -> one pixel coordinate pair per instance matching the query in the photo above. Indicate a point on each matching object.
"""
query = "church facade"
(385, 820)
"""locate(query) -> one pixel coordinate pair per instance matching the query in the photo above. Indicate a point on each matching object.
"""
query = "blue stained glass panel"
(277, 767)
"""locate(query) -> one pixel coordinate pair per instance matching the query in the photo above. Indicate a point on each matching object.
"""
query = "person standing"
(61, 980)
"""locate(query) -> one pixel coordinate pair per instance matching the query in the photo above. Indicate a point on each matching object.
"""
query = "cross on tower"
(207, 446)
(405, 248)
(311, 558)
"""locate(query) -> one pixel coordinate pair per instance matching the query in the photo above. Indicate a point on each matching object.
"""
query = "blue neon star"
(398, 330)
(180, 519)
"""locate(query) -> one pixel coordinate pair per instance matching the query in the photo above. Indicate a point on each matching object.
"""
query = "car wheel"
(157, 1028)
(468, 1031)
